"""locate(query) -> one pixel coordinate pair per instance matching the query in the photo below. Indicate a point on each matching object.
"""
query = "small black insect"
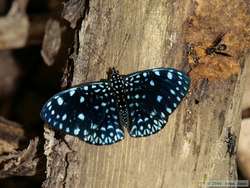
(217, 47)
(231, 142)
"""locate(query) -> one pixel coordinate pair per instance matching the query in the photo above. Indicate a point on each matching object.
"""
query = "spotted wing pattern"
(87, 111)
(152, 96)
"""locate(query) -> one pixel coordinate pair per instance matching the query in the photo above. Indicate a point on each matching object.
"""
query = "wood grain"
(136, 35)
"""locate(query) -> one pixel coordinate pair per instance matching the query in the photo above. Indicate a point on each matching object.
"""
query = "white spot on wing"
(72, 92)
(48, 104)
(112, 109)
(179, 73)
(81, 116)
(76, 131)
(157, 73)
(159, 98)
(172, 91)
(119, 131)
(163, 115)
(139, 121)
(97, 90)
(169, 110)
(103, 129)
(59, 101)
(170, 76)
(82, 99)
(110, 127)
(152, 83)
(64, 117)
(93, 126)
(85, 132)
(133, 129)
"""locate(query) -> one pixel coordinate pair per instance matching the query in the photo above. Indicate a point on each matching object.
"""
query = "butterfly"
(98, 112)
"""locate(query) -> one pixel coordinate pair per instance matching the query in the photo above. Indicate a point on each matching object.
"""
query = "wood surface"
(136, 35)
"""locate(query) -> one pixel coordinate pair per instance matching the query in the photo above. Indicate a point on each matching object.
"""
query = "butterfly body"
(120, 89)
(98, 112)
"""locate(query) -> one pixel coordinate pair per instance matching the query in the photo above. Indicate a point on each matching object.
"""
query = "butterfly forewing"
(152, 96)
(88, 111)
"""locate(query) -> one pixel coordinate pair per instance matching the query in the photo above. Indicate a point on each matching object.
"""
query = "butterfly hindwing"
(152, 96)
(87, 111)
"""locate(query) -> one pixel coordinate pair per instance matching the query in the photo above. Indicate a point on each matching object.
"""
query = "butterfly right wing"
(88, 111)
(152, 96)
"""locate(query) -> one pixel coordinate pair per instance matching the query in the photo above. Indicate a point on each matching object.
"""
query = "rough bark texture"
(11, 134)
(20, 163)
(136, 35)
(17, 30)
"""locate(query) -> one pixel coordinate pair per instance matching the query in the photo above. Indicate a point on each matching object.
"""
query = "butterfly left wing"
(152, 96)
(88, 111)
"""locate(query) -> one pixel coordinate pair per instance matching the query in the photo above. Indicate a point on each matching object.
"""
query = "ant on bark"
(231, 142)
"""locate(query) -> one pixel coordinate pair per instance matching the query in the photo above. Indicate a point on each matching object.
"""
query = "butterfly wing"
(152, 96)
(87, 111)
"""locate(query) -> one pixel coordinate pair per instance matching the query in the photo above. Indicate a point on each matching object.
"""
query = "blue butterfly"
(97, 112)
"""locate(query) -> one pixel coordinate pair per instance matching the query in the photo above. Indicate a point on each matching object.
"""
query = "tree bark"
(136, 35)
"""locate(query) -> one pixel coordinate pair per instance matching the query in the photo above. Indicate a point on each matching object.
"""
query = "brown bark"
(14, 160)
(136, 35)
(17, 30)
(11, 134)
(20, 163)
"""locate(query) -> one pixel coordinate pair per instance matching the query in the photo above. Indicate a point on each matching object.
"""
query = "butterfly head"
(112, 73)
